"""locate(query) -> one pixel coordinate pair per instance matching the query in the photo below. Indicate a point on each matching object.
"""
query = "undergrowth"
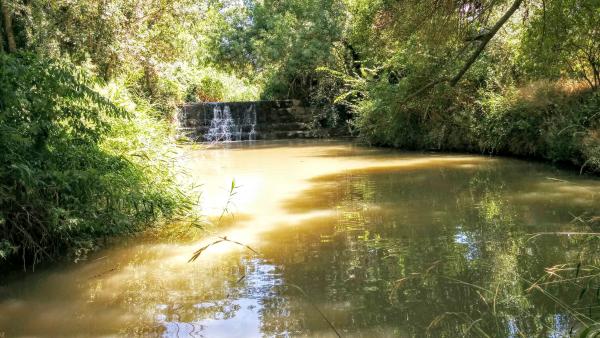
(79, 160)
(555, 121)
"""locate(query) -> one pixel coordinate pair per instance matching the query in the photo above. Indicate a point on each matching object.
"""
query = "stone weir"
(241, 121)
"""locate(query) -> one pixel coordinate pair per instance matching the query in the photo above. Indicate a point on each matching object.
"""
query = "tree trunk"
(485, 40)
(355, 63)
(8, 29)
(1, 38)
(2, 49)
(596, 73)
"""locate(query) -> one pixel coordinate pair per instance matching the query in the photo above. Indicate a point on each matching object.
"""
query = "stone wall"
(259, 120)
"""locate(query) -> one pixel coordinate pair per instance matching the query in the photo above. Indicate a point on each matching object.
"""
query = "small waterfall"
(244, 121)
(250, 120)
(224, 127)
(221, 125)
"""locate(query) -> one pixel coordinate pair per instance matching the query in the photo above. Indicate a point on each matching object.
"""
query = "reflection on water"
(222, 317)
(384, 243)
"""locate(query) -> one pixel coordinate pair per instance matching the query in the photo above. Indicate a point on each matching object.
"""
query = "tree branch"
(485, 40)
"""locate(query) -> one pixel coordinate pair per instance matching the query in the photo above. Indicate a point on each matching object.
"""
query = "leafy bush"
(507, 125)
(546, 120)
(552, 120)
(206, 84)
(75, 166)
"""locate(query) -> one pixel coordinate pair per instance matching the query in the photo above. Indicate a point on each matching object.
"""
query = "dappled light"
(299, 168)
(385, 244)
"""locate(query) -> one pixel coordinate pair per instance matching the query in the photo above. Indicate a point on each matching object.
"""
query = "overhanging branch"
(485, 39)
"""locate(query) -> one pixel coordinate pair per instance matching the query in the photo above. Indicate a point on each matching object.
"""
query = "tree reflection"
(444, 251)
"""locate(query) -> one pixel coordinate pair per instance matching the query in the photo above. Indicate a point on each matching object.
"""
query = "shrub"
(207, 84)
(549, 120)
(552, 120)
(591, 150)
(75, 166)
(507, 124)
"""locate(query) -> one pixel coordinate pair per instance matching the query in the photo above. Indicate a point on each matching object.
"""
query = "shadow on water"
(385, 244)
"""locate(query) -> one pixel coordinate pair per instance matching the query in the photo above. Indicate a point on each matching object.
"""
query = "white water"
(223, 127)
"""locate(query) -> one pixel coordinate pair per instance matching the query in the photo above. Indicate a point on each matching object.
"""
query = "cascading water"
(225, 128)
(221, 126)
(250, 120)
(243, 121)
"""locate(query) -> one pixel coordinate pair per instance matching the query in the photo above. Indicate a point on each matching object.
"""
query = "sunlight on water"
(384, 243)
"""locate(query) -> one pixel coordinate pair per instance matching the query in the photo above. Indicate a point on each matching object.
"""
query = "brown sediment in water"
(344, 222)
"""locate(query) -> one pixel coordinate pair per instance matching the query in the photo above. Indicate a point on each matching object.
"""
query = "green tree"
(563, 39)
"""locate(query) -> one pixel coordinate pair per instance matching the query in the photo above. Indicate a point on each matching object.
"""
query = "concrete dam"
(244, 121)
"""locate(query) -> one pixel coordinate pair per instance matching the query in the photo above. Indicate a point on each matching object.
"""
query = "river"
(341, 239)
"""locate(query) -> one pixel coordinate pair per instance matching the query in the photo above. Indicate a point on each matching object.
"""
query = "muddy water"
(383, 243)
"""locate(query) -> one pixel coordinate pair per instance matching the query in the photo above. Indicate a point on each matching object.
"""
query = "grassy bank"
(553, 121)
(79, 160)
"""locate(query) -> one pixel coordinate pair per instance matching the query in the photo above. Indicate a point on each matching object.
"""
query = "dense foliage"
(81, 78)
(531, 92)
(514, 77)
(75, 165)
